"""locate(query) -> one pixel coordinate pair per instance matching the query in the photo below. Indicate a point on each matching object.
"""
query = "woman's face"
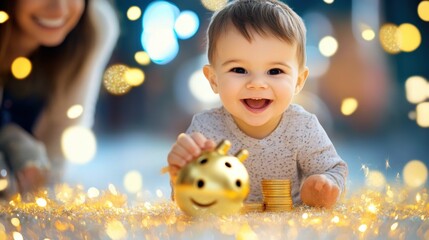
(47, 22)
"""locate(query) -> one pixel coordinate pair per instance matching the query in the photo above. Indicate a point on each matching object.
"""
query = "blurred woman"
(69, 44)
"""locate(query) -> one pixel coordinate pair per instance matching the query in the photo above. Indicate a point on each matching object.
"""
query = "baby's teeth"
(51, 22)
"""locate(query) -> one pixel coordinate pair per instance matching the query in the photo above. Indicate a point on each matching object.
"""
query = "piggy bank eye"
(204, 161)
(228, 164)
(200, 183)
(238, 183)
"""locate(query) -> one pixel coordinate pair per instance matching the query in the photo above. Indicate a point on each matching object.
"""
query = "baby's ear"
(210, 74)
(302, 77)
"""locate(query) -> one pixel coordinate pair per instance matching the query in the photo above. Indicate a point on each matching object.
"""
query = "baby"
(256, 52)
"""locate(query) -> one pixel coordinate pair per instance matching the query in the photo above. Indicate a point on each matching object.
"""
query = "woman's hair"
(264, 17)
(52, 64)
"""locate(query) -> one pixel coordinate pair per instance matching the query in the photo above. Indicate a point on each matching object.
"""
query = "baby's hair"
(264, 17)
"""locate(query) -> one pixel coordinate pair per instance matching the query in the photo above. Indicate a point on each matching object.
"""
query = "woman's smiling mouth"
(202, 204)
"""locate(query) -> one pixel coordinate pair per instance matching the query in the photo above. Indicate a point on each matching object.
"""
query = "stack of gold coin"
(277, 197)
(252, 207)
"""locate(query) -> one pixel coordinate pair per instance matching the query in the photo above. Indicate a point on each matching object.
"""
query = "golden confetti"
(374, 214)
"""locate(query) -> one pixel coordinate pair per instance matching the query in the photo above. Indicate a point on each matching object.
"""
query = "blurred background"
(368, 85)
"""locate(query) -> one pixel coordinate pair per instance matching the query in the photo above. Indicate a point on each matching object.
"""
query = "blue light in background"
(187, 24)
(158, 38)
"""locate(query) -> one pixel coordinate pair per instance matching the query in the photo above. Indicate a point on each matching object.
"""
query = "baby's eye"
(275, 71)
(239, 70)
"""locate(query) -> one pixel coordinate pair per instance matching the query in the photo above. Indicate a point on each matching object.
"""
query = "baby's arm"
(324, 171)
(186, 148)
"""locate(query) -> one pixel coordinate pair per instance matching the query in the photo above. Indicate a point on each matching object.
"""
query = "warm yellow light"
(75, 111)
(372, 208)
(4, 182)
(114, 80)
(416, 89)
(78, 144)
(15, 222)
(159, 193)
(93, 192)
(134, 76)
(3, 17)
(134, 13)
(133, 181)
(328, 1)
(142, 58)
(116, 230)
(41, 202)
(335, 219)
(17, 236)
(422, 114)
(389, 38)
(415, 174)
(214, 5)
(423, 10)
(349, 106)
(362, 228)
(394, 226)
(21, 67)
(328, 46)
(409, 37)
(368, 34)
(375, 180)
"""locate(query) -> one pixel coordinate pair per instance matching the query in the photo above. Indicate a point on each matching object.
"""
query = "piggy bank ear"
(242, 155)
(223, 147)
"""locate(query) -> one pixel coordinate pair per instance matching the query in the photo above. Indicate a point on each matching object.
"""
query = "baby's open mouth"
(202, 204)
(256, 103)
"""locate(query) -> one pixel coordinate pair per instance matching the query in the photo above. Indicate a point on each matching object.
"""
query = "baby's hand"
(318, 191)
(186, 148)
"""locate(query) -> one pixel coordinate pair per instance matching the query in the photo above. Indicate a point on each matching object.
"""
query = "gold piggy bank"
(214, 183)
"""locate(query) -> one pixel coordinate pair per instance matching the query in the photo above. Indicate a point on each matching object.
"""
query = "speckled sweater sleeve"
(318, 155)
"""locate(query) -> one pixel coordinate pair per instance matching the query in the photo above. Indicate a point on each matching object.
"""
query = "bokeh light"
(133, 181)
(328, 1)
(318, 63)
(114, 80)
(375, 180)
(158, 38)
(415, 174)
(389, 38)
(142, 58)
(93, 192)
(410, 38)
(368, 34)
(3, 17)
(75, 111)
(116, 230)
(349, 106)
(78, 144)
(134, 76)
(201, 89)
(21, 67)
(416, 89)
(423, 10)
(328, 46)
(422, 114)
(187, 24)
(134, 13)
(214, 5)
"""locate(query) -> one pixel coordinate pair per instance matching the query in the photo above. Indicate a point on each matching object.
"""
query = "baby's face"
(256, 80)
